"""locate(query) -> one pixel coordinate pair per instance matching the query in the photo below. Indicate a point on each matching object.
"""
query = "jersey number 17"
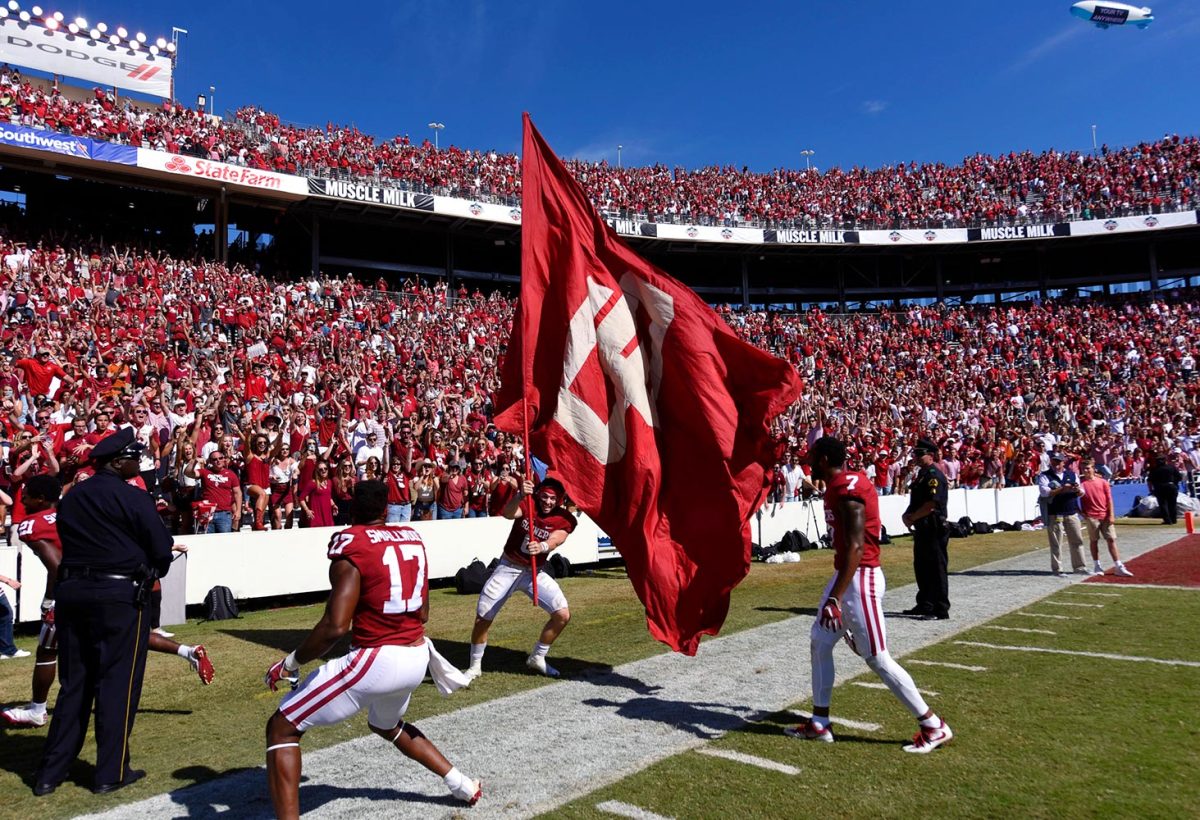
(408, 554)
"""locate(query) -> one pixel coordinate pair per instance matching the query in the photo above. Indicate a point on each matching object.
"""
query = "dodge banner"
(59, 52)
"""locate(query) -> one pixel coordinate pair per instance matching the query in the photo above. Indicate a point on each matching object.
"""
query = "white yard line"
(749, 760)
(964, 667)
(1103, 655)
(868, 684)
(1020, 629)
(1072, 603)
(1044, 615)
(1091, 594)
(625, 810)
(1157, 586)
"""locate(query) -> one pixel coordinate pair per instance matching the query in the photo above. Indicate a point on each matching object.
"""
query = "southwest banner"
(643, 402)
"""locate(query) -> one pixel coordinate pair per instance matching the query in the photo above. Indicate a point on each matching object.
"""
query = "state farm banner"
(1124, 224)
(366, 192)
(221, 172)
(60, 52)
(808, 236)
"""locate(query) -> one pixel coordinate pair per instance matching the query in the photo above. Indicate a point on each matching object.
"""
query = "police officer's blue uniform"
(113, 539)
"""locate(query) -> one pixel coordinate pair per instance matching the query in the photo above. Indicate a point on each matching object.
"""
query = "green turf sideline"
(599, 728)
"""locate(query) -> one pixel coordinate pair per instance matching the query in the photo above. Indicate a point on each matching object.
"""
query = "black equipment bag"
(220, 605)
(559, 566)
(982, 528)
(470, 579)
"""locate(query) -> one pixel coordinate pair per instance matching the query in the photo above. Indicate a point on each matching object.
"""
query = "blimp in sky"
(1105, 13)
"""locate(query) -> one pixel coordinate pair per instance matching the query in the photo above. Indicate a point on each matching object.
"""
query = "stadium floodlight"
(807, 153)
(103, 27)
(141, 37)
(437, 127)
(161, 42)
(52, 24)
(58, 16)
(153, 48)
(171, 47)
(114, 39)
(36, 11)
(94, 34)
(121, 32)
(3, 12)
(133, 45)
(13, 5)
(24, 17)
(74, 29)
(81, 22)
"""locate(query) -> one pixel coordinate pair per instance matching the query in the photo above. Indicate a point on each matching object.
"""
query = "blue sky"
(698, 83)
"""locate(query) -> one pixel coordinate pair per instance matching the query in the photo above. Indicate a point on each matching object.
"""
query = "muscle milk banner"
(1002, 232)
(366, 192)
(809, 236)
(60, 52)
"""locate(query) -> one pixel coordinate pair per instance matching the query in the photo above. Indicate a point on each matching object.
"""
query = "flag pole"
(531, 507)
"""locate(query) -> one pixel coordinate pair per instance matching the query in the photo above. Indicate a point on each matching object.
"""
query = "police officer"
(1163, 481)
(114, 545)
(926, 517)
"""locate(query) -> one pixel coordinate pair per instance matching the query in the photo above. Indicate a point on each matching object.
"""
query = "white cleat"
(162, 632)
(469, 792)
(23, 716)
(926, 740)
(538, 664)
(1097, 570)
(1123, 571)
(471, 673)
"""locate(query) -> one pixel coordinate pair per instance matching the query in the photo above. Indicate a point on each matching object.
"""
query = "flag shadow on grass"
(704, 720)
(1004, 573)
(283, 640)
(773, 725)
(794, 610)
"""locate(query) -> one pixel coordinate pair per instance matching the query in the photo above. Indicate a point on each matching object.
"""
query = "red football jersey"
(391, 560)
(41, 527)
(856, 485)
(543, 525)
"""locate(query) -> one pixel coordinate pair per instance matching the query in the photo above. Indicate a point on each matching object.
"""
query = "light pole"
(175, 32)
(436, 126)
(807, 153)
(1093, 139)
(619, 147)
(212, 100)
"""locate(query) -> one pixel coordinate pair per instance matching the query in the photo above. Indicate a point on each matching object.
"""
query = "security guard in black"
(926, 517)
(114, 544)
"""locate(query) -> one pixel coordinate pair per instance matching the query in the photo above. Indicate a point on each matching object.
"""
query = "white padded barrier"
(272, 563)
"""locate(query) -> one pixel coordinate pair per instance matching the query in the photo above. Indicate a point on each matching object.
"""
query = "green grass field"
(187, 733)
(1037, 735)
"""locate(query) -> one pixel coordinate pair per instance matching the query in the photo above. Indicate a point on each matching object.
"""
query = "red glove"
(280, 672)
(831, 615)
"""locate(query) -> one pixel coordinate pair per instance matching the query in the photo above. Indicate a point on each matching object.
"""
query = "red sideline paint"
(1173, 564)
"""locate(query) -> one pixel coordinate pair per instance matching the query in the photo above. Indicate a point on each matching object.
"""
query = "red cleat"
(202, 665)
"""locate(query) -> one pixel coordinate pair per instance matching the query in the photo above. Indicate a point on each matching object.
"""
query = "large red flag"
(642, 400)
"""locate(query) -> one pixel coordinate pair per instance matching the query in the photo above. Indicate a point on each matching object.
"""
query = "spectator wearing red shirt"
(40, 373)
(220, 487)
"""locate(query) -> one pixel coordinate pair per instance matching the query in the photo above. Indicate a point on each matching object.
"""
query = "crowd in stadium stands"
(265, 401)
(1048, 187)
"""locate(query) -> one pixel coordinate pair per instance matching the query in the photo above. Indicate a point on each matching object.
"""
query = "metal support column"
(450, 261)
(941, 280)
(221, 227)
(314, 263)
(745, 283)
(1154, 266)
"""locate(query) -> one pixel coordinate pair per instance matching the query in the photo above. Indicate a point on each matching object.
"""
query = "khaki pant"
(1054, 528)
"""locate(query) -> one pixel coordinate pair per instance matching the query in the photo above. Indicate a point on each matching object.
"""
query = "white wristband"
(290, 663)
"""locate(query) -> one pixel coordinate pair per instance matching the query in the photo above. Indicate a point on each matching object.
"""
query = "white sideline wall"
(284, 562)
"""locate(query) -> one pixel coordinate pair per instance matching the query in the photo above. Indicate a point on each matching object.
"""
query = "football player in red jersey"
(551, 526)
(380, 596)
(852, 605)
(39, 531)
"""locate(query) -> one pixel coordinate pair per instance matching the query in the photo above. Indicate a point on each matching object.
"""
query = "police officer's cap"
(119, 444)
(925, 447)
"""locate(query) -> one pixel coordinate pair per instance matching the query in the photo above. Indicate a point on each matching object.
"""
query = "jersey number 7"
(409, 555)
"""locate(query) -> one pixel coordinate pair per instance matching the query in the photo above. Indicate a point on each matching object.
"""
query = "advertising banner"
(808, 236)
(1124, 224)
(999, 233)
(352, 191)
(39, 139)
(60, 52)
(200, 169)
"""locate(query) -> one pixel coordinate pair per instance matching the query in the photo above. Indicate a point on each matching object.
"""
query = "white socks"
(184, 651)
(477, 650)
(931, 722)
(820, 721)
(540, 649)
(37, 708)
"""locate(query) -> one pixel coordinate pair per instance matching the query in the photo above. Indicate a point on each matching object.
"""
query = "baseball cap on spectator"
(1056, 456)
